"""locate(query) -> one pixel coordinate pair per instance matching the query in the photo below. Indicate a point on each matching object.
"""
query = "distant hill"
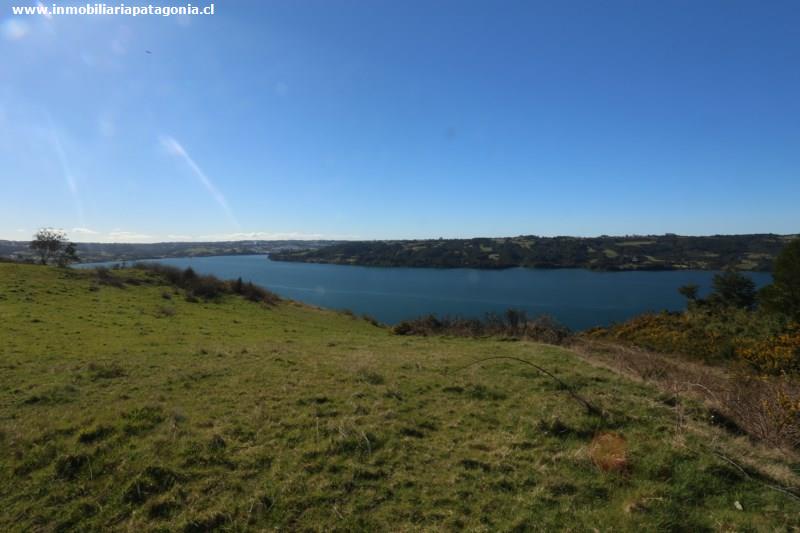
(650, 252)
(92, 252)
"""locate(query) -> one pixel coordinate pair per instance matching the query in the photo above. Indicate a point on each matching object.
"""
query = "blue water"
(577, 298)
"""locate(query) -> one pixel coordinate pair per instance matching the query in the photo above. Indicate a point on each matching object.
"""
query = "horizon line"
(200, 240)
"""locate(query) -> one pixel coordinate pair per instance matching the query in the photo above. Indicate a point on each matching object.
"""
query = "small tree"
(49, 243)
(733, 289)
(783, 294)
(68, 255)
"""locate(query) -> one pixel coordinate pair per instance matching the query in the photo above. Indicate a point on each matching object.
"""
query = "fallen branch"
(590, 408)
(778, 488)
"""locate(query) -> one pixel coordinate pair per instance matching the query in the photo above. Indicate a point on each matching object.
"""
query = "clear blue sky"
(403, 119)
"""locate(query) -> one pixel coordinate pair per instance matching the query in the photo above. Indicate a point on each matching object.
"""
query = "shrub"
(254, 293)
(775, 354)
(766, 407)
(708, 333)
(189, 274)
(171, 274)
(207, 287)
(426, 325)
(548, 330)
(513, 324)
(105, 277)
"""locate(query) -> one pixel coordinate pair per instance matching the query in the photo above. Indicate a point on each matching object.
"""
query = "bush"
(254, 293)
(207, 287)
(512, 324)
(766, 407)
(546, 329)
(765, 341)
(427, 325)
(664, 332)
(105, 277)
(775, 354)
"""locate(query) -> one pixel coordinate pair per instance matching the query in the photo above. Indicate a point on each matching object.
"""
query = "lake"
(577, 298)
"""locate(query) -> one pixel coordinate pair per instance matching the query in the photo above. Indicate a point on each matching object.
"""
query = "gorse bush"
(765, 342)
(757, 396)
(668, 333)
(774, 354)
(757, 335)
(735, 322)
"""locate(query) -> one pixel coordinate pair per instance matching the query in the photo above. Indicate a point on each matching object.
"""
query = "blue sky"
(378, 119)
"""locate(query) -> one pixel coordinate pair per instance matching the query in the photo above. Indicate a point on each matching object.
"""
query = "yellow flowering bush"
(669, 333)
(767, 345)
(775, 354)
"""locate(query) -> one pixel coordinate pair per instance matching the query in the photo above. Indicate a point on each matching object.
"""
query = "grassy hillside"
(130, 408)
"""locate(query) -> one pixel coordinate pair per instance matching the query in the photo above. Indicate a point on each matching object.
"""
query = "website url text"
(113, 9)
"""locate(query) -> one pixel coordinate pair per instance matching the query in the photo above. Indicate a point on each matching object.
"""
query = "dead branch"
(590, 408)
(733, 463)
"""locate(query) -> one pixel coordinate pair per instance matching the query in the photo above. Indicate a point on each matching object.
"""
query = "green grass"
(116, 414)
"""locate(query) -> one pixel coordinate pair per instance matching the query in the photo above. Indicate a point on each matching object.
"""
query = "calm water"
(577, 298)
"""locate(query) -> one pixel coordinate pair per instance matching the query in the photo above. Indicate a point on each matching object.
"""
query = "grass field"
(131, 409)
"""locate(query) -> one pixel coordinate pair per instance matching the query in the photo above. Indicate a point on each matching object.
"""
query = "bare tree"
(52, 244)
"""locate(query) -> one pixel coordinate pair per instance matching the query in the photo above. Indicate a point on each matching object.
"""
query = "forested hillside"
(652, 252)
